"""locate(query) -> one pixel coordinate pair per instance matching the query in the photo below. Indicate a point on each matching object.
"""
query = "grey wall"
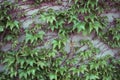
(75, 38)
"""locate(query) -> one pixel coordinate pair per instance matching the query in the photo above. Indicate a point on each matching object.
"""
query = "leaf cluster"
(30, 62)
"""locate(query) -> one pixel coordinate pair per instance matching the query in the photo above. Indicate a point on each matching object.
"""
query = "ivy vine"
(27, 61)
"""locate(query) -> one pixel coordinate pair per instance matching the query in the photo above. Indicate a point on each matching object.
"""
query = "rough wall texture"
(28, 20)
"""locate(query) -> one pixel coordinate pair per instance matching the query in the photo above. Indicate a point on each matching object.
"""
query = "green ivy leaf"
(22, 74)
(55, 44)
(83, 68)
(16, 23)
(29, 37)
(41, 34)
(81, 26)
(52, 76)
(41, 64)
(93, 77)
(1, 29)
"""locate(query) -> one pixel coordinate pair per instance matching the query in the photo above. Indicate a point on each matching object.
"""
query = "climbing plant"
(29, 59)
(112, 35)
(8, 26)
